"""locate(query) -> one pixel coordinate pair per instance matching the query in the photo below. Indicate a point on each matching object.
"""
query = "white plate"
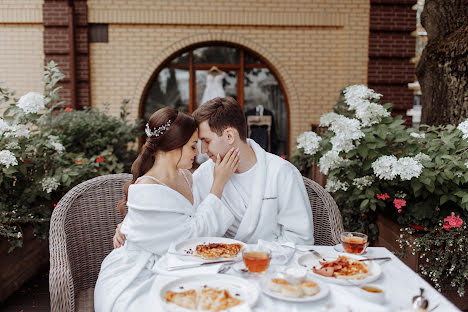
(309, 261)
(246, 291)
(324, 290)
(180, 249)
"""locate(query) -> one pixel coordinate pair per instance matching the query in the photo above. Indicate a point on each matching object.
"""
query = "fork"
(317, 254)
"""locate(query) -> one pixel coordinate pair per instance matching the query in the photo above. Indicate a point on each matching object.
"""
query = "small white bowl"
(295, 275)
(372, 293)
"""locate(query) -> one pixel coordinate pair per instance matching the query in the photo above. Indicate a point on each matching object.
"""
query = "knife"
(370, 259)
(194, 265)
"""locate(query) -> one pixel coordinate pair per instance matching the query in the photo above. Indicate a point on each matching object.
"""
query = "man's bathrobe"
(157, 216)
(279, 209)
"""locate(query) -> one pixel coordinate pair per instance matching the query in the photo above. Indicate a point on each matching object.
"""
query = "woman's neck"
(164, 169)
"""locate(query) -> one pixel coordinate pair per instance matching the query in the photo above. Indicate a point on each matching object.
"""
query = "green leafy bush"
(375, 164)
(39, 163)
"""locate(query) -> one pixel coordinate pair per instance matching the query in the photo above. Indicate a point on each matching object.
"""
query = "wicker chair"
(81, 229)
(328, 224)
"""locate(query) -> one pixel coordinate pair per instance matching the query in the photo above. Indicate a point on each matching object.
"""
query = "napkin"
(280, 253)
(169, 260)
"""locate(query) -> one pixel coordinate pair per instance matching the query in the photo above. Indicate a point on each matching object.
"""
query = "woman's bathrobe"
(279, 208)
(157, 216)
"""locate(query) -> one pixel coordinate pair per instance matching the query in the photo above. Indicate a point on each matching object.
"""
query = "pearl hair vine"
(157, 131)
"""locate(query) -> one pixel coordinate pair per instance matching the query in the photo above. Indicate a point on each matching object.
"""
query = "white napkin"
(280, 253)
(168, 261)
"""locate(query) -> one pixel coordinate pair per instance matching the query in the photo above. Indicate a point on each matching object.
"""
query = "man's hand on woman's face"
(119, 239)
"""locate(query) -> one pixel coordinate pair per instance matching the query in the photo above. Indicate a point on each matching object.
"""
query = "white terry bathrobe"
(157, 216)
(279, 209)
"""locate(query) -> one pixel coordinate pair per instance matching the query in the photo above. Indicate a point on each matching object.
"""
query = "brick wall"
(21, 48)
(66, 43)
(391, 47)
(316, 47)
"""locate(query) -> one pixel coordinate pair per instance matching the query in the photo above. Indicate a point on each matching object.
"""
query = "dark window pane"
(251, 59)
(209, 88)
(98, 32)
(170, 88)
(262, 88)
(181, 59)
(216, 55)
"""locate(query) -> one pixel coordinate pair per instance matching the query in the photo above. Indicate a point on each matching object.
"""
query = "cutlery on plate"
(317, 254)
(194, 265)
(381, 258)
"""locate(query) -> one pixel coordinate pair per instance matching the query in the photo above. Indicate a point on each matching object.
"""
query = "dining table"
(398, 282)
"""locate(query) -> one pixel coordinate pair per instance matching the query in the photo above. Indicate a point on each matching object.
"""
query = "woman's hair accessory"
(159, 131)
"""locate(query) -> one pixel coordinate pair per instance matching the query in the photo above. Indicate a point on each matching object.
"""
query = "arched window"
(182, 80)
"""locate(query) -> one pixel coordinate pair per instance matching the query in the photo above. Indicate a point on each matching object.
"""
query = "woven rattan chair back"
(81, 231)
(328, 224)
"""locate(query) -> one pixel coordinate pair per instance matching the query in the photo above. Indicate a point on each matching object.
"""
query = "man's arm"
(294, 213)
(119, 239)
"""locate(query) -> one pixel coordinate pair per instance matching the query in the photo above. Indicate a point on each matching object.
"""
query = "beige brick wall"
(21, 46)
(316, 47)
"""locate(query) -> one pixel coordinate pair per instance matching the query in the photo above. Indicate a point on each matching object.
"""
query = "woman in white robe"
(163, 207)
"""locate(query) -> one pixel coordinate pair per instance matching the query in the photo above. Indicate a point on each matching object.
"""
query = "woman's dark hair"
(181, 129)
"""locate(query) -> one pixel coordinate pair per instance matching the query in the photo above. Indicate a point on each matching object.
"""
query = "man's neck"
(247, 157)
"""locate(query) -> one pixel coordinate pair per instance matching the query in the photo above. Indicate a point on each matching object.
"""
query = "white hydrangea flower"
(19, 235)
(58, 146)
(354, 95)
(31, 102)
(334, 185)
(370, 113)
(363, 182)
(422, 157)
(330, 161)
(466, 164)
(384, 167)
(389, 167)
(4, 127)
(8, 159)
(418, 135)
(328, 118)
(49, 184)
(309, 141)
(408, 168)
(347, 133)
(12, 145)
(463, 127)
(18, 131)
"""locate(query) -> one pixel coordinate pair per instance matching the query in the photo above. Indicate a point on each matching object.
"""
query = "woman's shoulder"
(188, 174)
(146, 180)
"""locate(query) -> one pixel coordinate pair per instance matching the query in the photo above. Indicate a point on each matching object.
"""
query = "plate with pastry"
(208, 248)
(343, 269)
(279, 286)
(208, 292)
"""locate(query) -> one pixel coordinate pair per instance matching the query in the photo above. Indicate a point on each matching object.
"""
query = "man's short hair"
(222, 113)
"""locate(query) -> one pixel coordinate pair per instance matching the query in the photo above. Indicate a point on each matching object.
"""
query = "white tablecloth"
(398, 281)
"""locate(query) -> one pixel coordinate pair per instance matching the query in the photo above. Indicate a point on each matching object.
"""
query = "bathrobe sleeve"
(158, 216)
(295, 213)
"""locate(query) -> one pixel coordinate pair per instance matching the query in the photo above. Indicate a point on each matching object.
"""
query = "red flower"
(78, 161)
(26, 161)
(100, 159)
(55, 205)
(383, 196)
(452, 221)
(283, 156)
(68, 109)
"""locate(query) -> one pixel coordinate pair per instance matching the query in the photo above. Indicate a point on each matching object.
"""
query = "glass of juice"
(353, 242)
(256, 259)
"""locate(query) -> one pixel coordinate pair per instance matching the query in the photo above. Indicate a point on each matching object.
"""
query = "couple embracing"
(243, 193)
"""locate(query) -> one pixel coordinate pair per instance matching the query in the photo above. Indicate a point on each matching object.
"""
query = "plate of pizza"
(210, 292)
(208, 248)
(342, 268)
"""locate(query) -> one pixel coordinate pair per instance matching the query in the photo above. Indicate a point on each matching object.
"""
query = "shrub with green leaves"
(375, 164)
(44, 153)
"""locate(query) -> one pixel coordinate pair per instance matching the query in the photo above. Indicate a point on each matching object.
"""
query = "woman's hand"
(119, 239)
(223, 170)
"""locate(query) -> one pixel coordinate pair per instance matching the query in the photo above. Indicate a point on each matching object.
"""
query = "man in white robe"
(266, 195)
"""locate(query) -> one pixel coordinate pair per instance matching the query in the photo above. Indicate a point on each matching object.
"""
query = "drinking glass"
(256, 259)
(354, 242)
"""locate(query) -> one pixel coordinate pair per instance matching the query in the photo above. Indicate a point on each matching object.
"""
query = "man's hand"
(119, 238)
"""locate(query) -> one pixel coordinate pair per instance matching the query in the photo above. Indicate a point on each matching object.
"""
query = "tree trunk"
(443, 69)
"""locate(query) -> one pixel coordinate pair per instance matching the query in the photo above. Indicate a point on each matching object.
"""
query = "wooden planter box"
(389, 232)
(22, 263)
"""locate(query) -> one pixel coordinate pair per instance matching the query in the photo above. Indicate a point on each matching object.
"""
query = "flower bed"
(376, 165)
